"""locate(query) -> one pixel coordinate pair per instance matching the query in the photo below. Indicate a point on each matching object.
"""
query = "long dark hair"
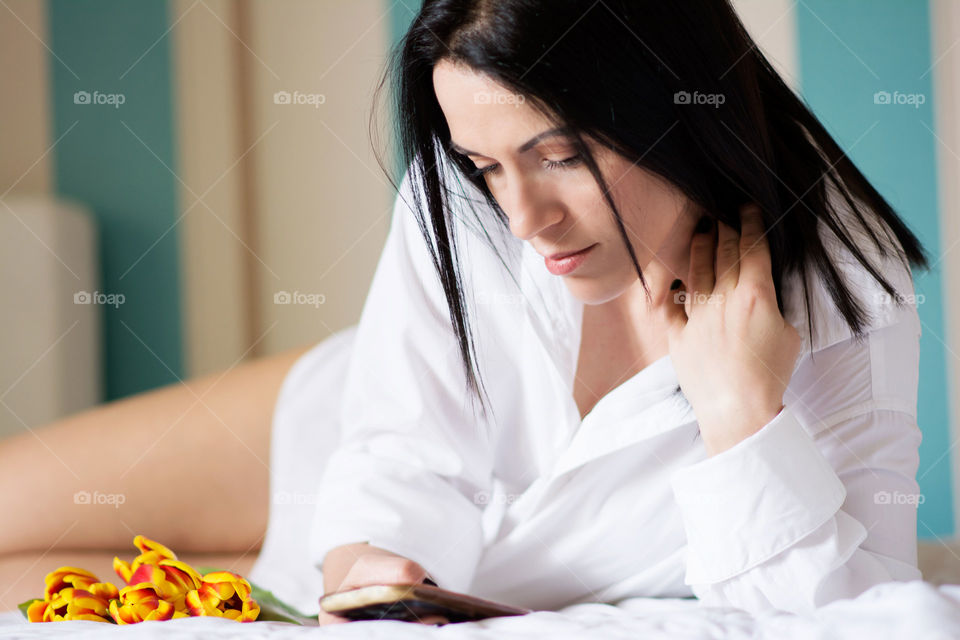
(628, 73)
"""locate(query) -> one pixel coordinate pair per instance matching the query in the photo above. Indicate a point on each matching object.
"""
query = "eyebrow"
(526, 146)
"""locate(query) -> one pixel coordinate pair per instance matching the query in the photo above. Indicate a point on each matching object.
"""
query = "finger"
(328, 618)
(383, 569)
(755, 263)
(433, 619)
(701, 277)
(728, 257)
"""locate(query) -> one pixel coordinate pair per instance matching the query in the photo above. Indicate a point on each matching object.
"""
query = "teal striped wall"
(402, 13)
(884, 45)
(119, 161)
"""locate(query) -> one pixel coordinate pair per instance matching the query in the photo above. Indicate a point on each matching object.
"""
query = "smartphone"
(411, 602)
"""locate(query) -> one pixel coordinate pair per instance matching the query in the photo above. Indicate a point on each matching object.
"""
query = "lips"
(568, 262)
(564, 254)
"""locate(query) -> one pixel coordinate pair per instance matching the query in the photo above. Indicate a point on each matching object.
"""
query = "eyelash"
(549, 164)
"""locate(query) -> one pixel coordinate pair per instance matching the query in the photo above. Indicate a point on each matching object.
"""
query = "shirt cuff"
(748, 503)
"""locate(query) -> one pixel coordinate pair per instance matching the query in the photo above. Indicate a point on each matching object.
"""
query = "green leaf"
(23, 606)
(274, 609)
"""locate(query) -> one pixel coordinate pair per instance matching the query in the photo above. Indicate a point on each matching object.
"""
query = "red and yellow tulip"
(141, 602)
(151, 553)
(224, 595)
(158, 586)
(72, 594)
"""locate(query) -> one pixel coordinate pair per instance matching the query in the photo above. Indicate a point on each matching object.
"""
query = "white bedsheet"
(914, 610)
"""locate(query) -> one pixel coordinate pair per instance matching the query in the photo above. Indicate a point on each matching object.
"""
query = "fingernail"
(704, 225)
(675, 285)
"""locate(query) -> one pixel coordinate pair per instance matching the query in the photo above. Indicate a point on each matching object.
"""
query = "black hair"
(632, 75)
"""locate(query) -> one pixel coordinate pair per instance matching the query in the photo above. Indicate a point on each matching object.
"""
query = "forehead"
(482, 113)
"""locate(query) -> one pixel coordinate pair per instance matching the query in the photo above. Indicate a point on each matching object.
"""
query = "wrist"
(718, 436)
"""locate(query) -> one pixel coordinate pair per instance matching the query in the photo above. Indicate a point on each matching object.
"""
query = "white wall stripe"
(25, 108)
(214, 293)
(945, 38)
(773, 25)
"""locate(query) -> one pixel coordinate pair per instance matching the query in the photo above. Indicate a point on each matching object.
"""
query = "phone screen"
(411, 603)
(405, 610)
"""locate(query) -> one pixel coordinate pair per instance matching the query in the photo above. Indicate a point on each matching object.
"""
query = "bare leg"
(185, 464)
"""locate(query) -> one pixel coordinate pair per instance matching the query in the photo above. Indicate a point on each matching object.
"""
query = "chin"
(591, 290)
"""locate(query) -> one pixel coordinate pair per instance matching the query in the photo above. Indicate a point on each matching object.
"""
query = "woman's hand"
(733, 352)
(359, 565)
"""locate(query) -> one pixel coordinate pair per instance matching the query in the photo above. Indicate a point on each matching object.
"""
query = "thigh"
(186, 464)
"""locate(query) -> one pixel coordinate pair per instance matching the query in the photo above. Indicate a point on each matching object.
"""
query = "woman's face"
(552, 200)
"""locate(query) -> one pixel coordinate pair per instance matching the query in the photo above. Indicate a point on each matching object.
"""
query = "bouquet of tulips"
(157, 586)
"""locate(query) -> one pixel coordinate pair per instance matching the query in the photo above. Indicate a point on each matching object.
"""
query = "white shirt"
(533, 507)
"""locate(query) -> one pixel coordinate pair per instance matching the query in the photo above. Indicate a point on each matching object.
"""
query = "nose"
(529, 209)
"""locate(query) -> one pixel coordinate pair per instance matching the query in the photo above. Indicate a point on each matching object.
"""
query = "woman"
(634, 210)
(668, 413)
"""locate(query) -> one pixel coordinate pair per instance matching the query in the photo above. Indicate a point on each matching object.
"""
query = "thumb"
(674, 308)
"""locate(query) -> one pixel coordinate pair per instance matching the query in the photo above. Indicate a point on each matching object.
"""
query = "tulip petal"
(37, 611)
(146, 545)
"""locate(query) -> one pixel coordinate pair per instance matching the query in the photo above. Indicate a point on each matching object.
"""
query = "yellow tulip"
(158, 587)
(225, 595)
(72, 594)
(138, 603)
(151, 552)
(64, 577)
(92, 603)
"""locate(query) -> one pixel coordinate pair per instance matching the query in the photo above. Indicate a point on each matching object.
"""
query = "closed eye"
(548, 164)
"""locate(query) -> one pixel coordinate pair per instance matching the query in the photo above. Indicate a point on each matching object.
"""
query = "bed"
(928, 609)
(893, 610)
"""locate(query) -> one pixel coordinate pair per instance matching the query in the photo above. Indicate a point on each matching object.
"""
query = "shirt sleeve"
(412, 455)
(821, 503)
